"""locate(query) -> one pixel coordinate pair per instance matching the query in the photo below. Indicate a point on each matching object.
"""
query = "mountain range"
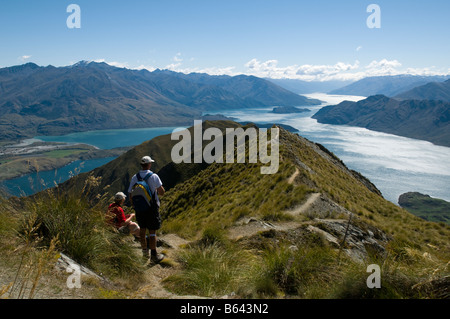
(430, 91)
(52, 100)
(421, 119)
(386, 85)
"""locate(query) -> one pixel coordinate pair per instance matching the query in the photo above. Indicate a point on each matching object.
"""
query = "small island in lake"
(288, 110)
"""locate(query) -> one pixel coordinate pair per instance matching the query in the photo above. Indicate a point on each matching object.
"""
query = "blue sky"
(309, 40)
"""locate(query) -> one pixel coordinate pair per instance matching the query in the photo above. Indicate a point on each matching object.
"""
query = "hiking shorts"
(150, 220)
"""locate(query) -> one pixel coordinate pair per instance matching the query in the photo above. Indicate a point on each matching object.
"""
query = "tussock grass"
(71, 223)
(285, 271)
(211, 271)
(83, 233)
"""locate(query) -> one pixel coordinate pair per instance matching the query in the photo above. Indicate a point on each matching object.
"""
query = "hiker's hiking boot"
(156, 259)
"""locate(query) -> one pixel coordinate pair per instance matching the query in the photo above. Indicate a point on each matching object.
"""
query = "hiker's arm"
(160, 190)
(130, 217)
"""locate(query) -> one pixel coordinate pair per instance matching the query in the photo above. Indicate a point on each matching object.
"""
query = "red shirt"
(116, 215)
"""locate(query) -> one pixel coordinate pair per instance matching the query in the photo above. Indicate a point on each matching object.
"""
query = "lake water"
(104, 139)
(108, 139)
(393, 163)
(33, 183)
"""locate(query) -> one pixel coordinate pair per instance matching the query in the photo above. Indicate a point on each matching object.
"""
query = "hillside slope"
(386, 85)
(426, 207)
(437, 91)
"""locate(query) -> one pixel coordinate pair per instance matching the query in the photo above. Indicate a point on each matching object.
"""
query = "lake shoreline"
(18, 160)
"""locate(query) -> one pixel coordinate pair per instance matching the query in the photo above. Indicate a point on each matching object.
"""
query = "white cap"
(119, 196)
(146, 160)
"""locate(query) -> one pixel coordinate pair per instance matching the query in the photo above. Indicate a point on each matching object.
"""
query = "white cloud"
(177, 57)
(173, 66)
(358, 48)
(211, 71)
(24, 57)
(307, 72)
(338, 71)
(145, 67)
(177, 61)
(384, 64)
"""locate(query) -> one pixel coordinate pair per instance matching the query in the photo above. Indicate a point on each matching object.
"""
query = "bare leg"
(134, 229)
(142, 238)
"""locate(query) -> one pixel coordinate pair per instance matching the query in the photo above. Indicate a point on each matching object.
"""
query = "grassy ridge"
(269, 267)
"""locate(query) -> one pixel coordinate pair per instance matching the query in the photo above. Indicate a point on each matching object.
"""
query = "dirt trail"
(305, 206)
(251, 226)
(292, 178)
(153, 288)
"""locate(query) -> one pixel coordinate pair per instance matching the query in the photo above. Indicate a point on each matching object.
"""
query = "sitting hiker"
(118, 218)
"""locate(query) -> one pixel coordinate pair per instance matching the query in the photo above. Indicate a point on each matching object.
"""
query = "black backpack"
(142, 198)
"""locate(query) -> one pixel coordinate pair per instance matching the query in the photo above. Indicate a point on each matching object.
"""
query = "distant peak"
(81, 63)
(31, 65)
(20, 68)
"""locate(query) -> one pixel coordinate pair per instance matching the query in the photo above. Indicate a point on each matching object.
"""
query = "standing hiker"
(145, 187)
(117, 217)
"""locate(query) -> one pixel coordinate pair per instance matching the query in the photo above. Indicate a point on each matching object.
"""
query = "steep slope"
(425, 120)
(386, 85)
(438, 91)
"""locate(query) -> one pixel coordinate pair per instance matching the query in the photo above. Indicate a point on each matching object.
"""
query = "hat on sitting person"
(146, 160)
(120, 196)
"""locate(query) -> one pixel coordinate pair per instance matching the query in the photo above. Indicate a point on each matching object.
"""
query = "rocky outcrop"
(357, 239)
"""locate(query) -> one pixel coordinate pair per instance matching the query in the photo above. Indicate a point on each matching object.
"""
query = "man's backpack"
(144, 201)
